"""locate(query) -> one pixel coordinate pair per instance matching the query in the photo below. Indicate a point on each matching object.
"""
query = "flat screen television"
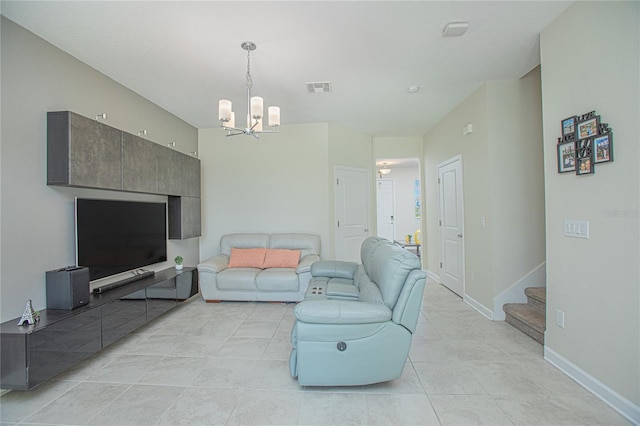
(118, 236)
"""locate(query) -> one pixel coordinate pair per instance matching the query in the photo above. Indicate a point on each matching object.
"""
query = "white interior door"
(451, 225)
(385, 202)
(352, 211)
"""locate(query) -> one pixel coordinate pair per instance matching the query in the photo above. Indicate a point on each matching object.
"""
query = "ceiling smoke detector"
(455, 29)
(319, 87)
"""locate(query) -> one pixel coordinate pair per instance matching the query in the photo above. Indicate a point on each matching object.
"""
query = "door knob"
(460, 235)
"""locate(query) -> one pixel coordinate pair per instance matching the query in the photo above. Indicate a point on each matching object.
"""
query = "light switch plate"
(576, 228)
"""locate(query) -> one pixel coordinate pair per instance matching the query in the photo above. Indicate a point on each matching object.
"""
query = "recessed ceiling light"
(455, 29)
(413, 89)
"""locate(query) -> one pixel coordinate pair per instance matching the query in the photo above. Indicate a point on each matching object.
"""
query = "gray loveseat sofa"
(255, 282)
(356, 322)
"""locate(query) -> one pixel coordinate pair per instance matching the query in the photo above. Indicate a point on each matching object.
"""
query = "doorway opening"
(399, 202)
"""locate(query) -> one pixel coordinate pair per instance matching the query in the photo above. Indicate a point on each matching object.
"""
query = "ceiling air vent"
(319, 87)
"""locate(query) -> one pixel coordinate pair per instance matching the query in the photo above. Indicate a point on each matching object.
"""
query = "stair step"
(526, 318)
(537, 296)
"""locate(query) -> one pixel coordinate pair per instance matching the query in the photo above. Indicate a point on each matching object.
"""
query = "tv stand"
(32, 354)
(137, 275)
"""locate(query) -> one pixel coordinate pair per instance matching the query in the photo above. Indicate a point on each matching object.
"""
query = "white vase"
(179, 267)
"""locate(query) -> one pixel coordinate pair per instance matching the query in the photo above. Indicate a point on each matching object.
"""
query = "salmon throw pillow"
(281, 258)
(246, 258)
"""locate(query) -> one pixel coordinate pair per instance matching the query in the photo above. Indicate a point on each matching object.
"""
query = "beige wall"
(517, 180)
(502, 185)
(37, 220)
(280, 183)
(397, 147)
(595, 281)
(275, 184)
(348, 148)
(445, 141)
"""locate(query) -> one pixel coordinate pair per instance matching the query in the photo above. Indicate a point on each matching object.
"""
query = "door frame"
(452, 160)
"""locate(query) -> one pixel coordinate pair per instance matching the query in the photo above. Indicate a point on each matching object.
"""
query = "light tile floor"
(227, 363)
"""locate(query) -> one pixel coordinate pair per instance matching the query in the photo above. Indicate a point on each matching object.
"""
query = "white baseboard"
(515, 294)
(616, 401)
(433, 276)
(478, 306)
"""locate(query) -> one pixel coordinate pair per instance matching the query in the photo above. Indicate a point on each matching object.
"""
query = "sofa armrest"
(341, 312)
(306, 262)
(214, 264)
(334, 269)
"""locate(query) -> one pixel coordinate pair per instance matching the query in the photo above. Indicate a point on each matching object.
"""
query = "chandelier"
(254, 108)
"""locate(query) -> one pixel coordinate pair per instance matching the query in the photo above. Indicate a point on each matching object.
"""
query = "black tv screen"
(118, 236)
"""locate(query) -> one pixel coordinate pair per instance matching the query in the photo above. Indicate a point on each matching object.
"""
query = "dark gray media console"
(32, 354)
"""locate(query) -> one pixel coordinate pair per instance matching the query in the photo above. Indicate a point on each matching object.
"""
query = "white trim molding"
(432, 275)
(515, 294)
(478, 306)
(610, 397)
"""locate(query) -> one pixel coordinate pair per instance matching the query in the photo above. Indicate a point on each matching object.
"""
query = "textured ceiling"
(185, 56)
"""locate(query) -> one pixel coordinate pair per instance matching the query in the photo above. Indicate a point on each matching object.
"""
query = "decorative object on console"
(254, 108)
(67, 288)
(30, 316)
(178, 260)
(585, 142)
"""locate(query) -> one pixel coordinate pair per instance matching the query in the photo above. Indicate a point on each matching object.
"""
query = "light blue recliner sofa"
(355, 325)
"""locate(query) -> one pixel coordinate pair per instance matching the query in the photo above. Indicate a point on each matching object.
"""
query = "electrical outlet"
(559, 318)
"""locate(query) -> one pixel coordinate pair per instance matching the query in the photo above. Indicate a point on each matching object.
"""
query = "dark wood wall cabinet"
(32, 354)
(86, 153)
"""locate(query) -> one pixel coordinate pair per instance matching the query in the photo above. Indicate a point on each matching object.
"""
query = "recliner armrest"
(306, 262)
(334, 269)
(214, 264)
(341, 312)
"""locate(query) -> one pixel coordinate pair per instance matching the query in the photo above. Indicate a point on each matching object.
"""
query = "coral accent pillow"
(281, 258)
(246, 258)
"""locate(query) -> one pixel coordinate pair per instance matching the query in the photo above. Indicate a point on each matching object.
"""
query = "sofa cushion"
(247, 258)
(306, 243)
(277, 279)
(238, 279)
(281, 258)
(243, 241)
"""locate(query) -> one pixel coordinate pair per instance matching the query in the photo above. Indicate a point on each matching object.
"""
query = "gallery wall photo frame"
(603, 148)
(587, 128)
(585, 141)
(566, 157)
(584, 157)
(568, 128)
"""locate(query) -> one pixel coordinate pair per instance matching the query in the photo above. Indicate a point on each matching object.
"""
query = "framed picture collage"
(585, 142)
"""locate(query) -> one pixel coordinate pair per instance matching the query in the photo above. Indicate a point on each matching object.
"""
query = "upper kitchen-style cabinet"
(83, 152)
(138, 164)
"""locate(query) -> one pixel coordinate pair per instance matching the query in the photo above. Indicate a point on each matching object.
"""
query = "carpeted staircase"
(530, 317)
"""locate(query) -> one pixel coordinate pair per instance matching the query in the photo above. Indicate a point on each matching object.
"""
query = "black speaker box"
(67, 288)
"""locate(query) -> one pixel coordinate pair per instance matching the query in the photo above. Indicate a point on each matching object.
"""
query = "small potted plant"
(178, 260)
